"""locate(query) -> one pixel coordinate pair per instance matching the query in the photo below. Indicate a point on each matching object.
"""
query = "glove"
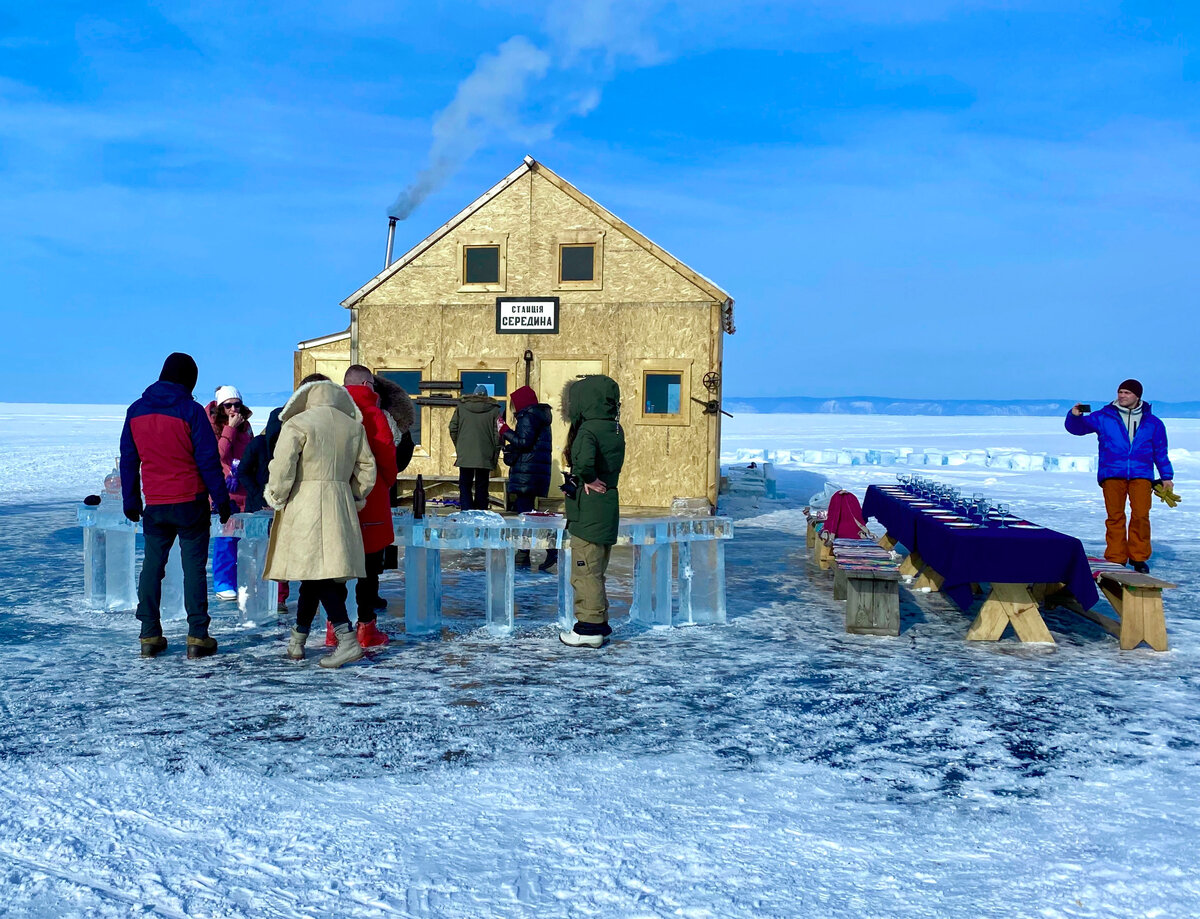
(502, 427)
(224, 511)
(133, 515)
(1165, 494)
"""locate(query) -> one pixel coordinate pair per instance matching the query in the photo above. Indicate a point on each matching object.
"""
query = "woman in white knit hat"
(230, 419)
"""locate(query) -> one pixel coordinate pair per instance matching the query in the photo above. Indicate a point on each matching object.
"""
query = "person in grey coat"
(476, 445)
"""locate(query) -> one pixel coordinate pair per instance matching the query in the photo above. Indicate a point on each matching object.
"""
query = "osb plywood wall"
(420, 319)
(321, 357)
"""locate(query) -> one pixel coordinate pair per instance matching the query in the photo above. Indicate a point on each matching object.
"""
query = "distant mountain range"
(881, 405)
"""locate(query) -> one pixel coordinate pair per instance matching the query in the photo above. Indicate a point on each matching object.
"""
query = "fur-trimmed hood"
(396, 402)
(320, 392)
(591, 397)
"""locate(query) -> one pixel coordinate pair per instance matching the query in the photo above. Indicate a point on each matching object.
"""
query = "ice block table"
(699, 577)
(109, 577)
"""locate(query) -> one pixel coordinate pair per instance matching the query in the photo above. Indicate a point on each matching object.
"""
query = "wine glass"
(1002, 512)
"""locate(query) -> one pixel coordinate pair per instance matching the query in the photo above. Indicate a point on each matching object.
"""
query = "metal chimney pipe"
(387, 258)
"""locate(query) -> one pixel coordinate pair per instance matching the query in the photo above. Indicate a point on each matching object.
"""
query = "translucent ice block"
(120, 587)
(256, 597)
(566, 593)
(652, 580)
(172, 606)
(94, 580)
(422, 591)
(701, 582)
(500, 591)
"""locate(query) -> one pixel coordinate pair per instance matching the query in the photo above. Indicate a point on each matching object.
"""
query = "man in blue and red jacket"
(169, 453)
(1132, 442)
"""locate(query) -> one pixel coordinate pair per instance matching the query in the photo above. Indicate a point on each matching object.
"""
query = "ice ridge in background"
(906, 456)
(882, 405)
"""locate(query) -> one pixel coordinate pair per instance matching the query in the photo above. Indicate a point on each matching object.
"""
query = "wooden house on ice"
(534, 282)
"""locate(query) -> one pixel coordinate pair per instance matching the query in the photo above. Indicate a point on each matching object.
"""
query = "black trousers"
(366, 591)
(329, 594)
(161, 523)
(522, 502)
(473, 489)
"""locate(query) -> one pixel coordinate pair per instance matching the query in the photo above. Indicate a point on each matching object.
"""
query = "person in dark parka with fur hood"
(528, 453)
(595, 451)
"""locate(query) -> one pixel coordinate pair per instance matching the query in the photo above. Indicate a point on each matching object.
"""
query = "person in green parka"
(595, 451)
(476, 446)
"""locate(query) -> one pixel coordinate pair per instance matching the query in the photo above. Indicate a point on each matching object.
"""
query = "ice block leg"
(652, 584)
(500, 565)
(566, 593)
(120, 582)
(422, 591)
(702, 582)
(171, 607)
(94, 580)
(256, 597)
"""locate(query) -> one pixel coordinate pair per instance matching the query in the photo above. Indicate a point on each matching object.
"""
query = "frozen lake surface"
(775, 766)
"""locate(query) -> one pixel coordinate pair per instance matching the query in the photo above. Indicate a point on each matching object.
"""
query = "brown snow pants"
(589, 562)
(1136, 546)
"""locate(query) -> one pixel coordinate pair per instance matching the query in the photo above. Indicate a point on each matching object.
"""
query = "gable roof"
(530, 165)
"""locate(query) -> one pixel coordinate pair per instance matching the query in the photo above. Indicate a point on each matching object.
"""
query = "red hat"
(523, 398)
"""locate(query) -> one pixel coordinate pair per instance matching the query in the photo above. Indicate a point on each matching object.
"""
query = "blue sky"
(961, 200)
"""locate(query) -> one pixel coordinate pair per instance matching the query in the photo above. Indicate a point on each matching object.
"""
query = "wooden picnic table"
(1020, 564)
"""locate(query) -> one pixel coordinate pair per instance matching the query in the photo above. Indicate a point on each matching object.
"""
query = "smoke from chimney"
(588, 41)
(486, 102)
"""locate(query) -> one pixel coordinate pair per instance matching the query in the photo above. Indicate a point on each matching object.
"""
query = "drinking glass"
(1002, 512)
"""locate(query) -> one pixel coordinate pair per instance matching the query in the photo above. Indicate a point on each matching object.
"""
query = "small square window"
(663, 393)
(577, 263)
(481, 264)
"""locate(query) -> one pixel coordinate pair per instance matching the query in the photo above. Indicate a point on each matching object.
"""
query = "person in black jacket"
(527, 453)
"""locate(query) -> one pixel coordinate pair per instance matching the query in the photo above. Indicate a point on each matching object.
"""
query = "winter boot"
(1140, 567)
(330, 638)
(369, 635)
(521, 560)
(551, 560)
(380, 603)
(295, 647)
(586, 635)
(153, 647)
(200, 647)
(348, 649)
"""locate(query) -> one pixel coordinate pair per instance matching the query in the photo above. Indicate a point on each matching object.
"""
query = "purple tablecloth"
(990, 554)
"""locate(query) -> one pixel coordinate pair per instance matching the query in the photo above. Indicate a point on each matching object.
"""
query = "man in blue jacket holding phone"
(1132, 442)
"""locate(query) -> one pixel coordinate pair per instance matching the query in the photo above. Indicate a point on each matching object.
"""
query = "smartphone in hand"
(1084, 408)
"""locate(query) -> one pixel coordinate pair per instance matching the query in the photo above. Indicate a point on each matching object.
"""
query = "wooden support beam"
(1009, 604)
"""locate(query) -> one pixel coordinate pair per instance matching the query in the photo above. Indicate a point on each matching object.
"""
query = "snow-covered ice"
(774, 766)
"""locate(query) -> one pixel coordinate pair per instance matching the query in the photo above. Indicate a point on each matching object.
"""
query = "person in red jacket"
(229, 417)
(375, 518)
(169, 454)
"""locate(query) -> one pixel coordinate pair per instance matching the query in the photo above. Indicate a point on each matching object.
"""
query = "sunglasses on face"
(232, 406)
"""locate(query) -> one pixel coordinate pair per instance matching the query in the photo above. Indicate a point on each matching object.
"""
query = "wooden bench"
(868, 579)
(1136, 598)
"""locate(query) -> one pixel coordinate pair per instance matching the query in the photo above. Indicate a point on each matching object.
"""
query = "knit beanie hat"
(179, 368)
(523, 398)
(225, 393)
(1133, 386)
(481, 389)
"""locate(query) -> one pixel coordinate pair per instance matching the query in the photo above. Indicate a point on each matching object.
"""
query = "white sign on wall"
(526, 316)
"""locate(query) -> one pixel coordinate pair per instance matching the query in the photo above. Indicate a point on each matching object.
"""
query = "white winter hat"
(225, 393)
